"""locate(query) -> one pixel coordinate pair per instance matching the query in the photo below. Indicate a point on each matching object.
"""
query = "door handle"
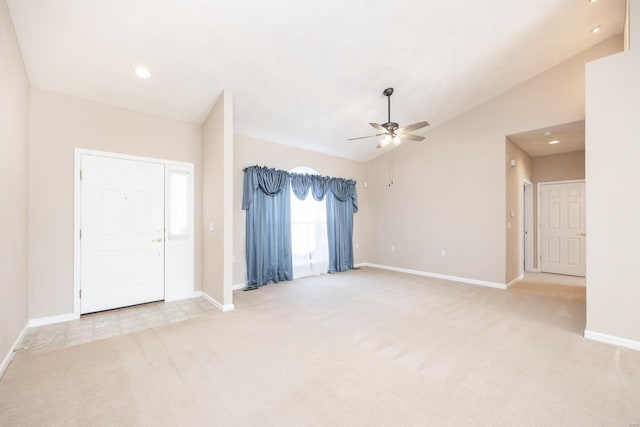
(159, 239)
(582, 234)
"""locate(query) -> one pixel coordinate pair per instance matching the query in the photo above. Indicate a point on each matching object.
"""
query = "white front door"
(122, 233)
(562, 228)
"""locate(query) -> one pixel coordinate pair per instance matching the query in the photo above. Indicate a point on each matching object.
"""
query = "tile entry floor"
(106, 324)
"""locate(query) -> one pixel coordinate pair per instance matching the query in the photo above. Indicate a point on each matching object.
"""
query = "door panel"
(122, 222)
(562, 228)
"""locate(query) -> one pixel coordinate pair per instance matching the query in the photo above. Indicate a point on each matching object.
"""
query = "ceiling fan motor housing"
(390, 126)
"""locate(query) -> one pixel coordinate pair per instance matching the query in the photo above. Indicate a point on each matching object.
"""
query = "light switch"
(210, 226)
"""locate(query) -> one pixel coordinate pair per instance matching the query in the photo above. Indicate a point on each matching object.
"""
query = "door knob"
(159, 239)
(582, 234)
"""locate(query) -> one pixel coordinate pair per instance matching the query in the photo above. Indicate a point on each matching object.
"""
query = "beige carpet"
(363, 348)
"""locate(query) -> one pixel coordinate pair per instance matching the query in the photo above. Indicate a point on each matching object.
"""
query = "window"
(310, 250)
(177, 212)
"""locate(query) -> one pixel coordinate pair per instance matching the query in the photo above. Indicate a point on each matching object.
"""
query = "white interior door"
(562, 228)
(122, 233)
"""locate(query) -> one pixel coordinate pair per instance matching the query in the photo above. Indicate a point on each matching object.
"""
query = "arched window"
(310, 250)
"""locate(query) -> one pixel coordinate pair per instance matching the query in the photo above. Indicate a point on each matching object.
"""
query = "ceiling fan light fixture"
(396, 140)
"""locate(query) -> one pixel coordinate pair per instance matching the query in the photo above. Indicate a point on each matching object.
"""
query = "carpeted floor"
(362, 348)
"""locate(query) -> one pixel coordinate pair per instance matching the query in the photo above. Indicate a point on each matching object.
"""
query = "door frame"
(77, 210)
(538, 226)
(527, 225)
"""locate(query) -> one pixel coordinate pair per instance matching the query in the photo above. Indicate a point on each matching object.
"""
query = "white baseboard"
(436, 275)
(610, 339)
(216, 304)
(41, 321)
(514, 281)
(9, 356)
(194, 294)
(239, 286)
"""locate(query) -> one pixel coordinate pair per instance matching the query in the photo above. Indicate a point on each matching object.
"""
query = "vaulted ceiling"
(308, 74)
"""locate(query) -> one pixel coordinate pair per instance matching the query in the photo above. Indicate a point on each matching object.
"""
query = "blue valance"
(272, 181)
(300, 184)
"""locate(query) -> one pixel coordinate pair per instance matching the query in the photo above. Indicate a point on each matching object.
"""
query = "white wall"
(515, 177)
(251, 151)
(449, 190)
(634, 24)
(14, 148)
(217, 199)
(58, 125)
(613, 205)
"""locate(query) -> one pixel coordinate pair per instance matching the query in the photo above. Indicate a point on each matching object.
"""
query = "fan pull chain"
(390, 169)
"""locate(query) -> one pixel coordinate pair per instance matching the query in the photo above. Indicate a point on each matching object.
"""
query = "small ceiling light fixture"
(143, 72)
(596, 30)
(592, 1)
(555, 141)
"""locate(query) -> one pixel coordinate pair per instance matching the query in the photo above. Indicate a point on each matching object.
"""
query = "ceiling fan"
(391, 131)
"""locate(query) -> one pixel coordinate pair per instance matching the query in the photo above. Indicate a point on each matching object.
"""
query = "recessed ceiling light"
(595, 30)
(143, 72)
(555, 141)
(592, 1)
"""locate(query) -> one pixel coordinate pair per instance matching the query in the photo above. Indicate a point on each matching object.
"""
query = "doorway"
(527, 226)
(134, 237)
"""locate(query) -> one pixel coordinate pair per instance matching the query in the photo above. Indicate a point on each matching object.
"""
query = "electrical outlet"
(393, 248)
(443, 252)
(357, 245)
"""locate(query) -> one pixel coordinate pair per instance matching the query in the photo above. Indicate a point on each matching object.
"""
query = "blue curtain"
(342, 203)
(266, 199)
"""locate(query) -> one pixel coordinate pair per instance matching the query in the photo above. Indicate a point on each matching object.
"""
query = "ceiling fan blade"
(414, 126)
(364, 137)
(412, 137)
(379, 127)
